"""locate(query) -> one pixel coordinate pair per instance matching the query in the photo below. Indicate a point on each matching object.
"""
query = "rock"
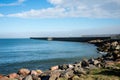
(101, 59)
(24, 72)
(79, 71)
(114, 43)
(84, 63)
(91, 61)
(91, 67)
(117, 47)
(116, 52)
(107, 56)
(107, 44)
(63, 67)
(77, 65)
(29, 77)
(96, 62)
(109, 63)
(54, 75)
(99, 65)
(117, 61)
(13, 76)
(67, 74)
(35, 77)
(95, 41)
(115, 68)
(4, 78)
(1, 76)
(45, 75)
(39, 72)
(70, 66)
(76, 78)
(62, 78)
(20, 78)
(33, 72)
(54, 68)
(116, 56)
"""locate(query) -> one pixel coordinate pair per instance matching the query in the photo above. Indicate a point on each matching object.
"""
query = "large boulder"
(4, 78)
(117, 47)
(63, 67)
(70, 66)
(39, 72)
(116, 52)
(96, 62)
(85, 63)
(45, 75)
(76, 78)
(33, 72)
(36, 77)
(91, 66)
(54, 68)
(91, 61)
(114, 43)
(107, 44)
(29, 77)
(79, 71)
(54, 75)
(62, 78)
(67, 74)
(13, 76)
(1, 76)
(116, 56)
(24, 72)
(78, 64)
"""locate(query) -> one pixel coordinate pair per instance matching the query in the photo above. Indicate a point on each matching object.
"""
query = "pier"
(84, 38)
(72, 39)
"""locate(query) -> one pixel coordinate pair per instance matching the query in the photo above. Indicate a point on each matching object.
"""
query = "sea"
(40, 54)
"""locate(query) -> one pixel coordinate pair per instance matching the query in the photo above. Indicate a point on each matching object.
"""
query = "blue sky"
(26, 18)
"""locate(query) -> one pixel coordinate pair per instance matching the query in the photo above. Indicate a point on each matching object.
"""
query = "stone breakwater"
(77, 70)
(112, 48)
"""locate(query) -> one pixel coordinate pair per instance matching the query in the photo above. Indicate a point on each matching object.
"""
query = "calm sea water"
(39, 54)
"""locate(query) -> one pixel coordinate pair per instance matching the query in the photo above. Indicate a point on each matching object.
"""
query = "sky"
(59, 18)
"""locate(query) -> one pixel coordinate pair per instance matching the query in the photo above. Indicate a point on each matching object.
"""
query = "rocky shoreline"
(90, 69)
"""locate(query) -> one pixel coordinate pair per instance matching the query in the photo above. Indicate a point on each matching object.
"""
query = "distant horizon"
(26, 18)
(94, 35)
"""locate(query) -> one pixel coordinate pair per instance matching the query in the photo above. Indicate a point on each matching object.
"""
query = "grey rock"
(63, 67)
(45, 75)
(96, 62)
(54, 75)
(67, 74)
(85, 63)
(29, 77)
(70, 66)
(24, 72)
(35, 77)
(78, 64)
(79, 71)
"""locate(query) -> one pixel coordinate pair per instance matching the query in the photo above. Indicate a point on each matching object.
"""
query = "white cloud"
(43, 13)
(55, 2)
(18, 2)
(75, 8)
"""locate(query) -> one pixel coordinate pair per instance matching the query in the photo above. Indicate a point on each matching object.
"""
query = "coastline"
(76, 71)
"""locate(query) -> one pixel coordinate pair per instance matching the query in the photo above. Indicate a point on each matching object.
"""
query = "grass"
(99, 74)
(104, 74)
